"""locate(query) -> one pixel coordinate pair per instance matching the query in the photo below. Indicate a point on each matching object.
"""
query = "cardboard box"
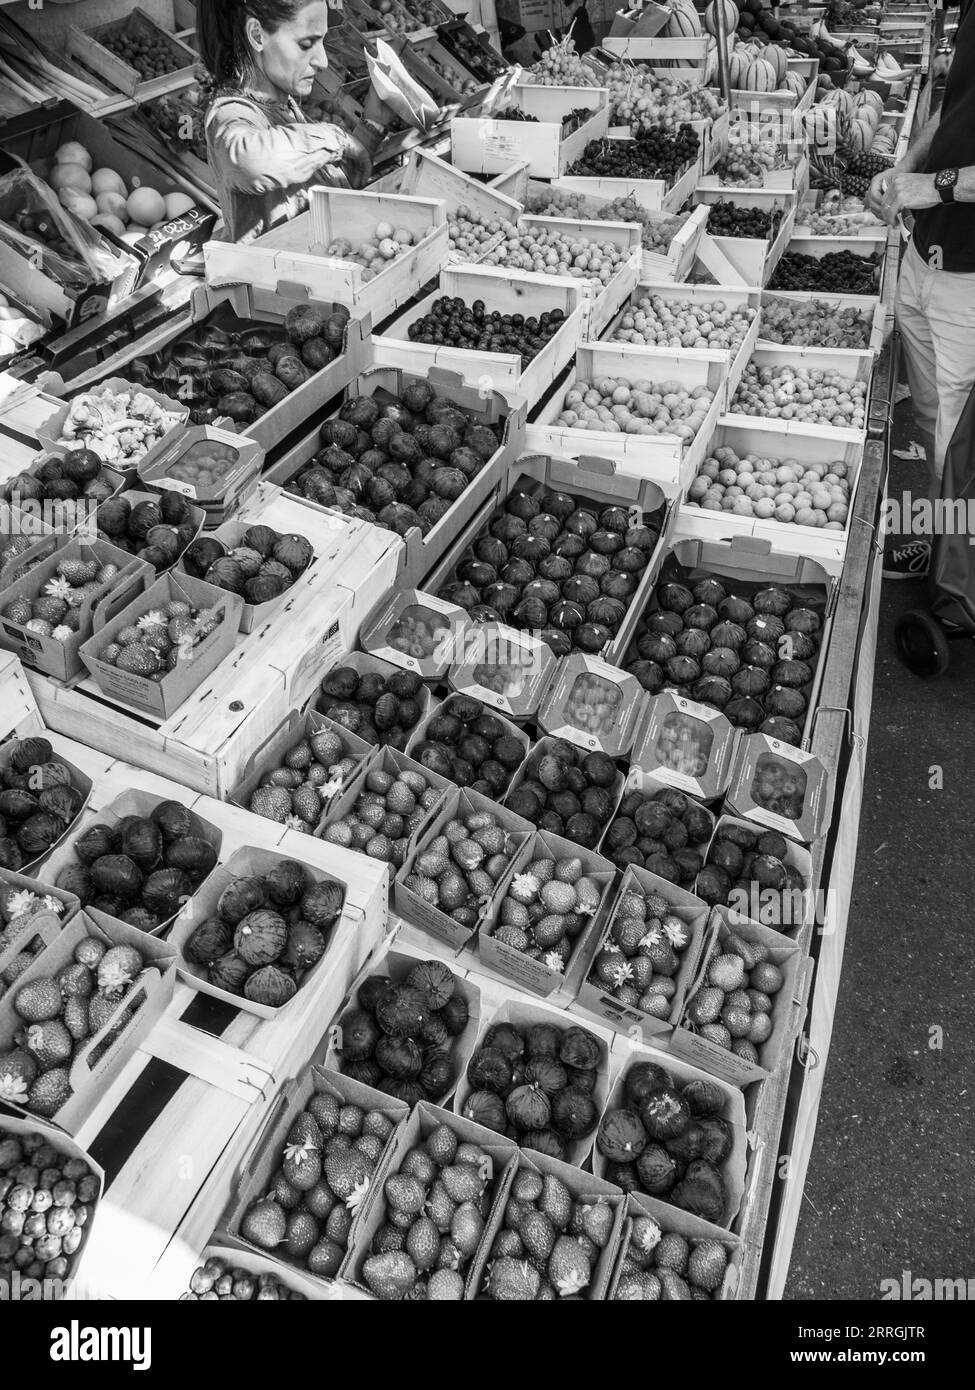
(421, 733)
(504, 667)
(546, 745)
(423, 1119)
(248, 1259)
(635, 796)
(592, 704)
(245, 862)
(417, 631)
(733, 1111)
(788, 1004)
(483, 402)
(785, 910)
(94, 1068)
(59, 657)
(395, 967)
(15, 1126)
(684, 744)
(779, 786)
(674, 1221)
(582, 1187)
(523, 1016)
(432, 919)
(594, 1000)
(536, 975)
(165, 696)
(263, 1159)
(50, 434)
(296, 727)
(596, 483)
(297, 251)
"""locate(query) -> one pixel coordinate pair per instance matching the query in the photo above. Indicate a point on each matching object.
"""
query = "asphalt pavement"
(891, 1184)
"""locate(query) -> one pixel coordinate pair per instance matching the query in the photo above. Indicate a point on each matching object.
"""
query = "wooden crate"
(871, 242)
(426, 176)
(483, 145)
(854, 366)
(662, 458)
(873, 308)
(754, 258)
(296, 252)
(88, 48)
(416, 554)
(515, 293)
(676, 55)
(781, 439)
(600, 302)
(736, 296)
(656, 195)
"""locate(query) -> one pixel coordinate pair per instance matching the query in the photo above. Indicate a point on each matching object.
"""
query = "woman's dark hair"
(221, 37)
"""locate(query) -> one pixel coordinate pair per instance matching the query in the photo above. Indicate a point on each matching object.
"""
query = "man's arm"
(895, 190)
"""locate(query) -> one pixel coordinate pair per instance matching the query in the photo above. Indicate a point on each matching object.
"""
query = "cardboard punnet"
(694, 1229)
(733, 1111)
(391, 762)
(582, 1186)
(420, 733)
(780, 787)
(24, 524)
(593, 1000)
(523, 1015)
(395, 967)
(32, 940)
(416, 630)
(547, 745)
(362, 663)
(32, 1124)
(785, 910)
(94, 1066)
(636, 796)
(537, 976)
(683, 744)
(504, 667)
(486, 406)
(423, 1119)
(458, 804)
(247, 861)
(592, 704)
(297, 727)
(788, 1003)
(11, 883)
(81, 783)
(165, 696)
(257, 1262)
(50, 433)
(240, 460)
(595, 483)
(133, 496)
(134, 802)
(257, 1167)
(56, 656)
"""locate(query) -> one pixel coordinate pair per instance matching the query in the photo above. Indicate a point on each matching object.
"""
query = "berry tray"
(754, 258)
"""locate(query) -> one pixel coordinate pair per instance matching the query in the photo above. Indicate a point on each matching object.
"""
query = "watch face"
(946, 178)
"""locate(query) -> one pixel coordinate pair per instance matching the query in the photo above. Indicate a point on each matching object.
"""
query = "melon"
(871, 98)
(795, 83)
(730, 17)
(684, 23)
(760, 76)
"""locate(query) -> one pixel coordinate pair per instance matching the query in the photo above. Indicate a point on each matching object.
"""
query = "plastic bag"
(63, 246)
(401, 92)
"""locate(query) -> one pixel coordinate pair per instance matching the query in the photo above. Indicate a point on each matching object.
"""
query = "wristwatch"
(944, 182)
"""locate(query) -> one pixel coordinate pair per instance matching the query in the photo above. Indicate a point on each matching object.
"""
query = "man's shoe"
(908, 561)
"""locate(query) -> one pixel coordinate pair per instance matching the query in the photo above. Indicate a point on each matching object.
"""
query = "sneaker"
(908, 561)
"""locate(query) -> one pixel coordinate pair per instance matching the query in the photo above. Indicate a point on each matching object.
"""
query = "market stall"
(447, 632)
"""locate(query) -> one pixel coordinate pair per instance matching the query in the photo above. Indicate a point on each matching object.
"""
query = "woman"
(263, 57)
